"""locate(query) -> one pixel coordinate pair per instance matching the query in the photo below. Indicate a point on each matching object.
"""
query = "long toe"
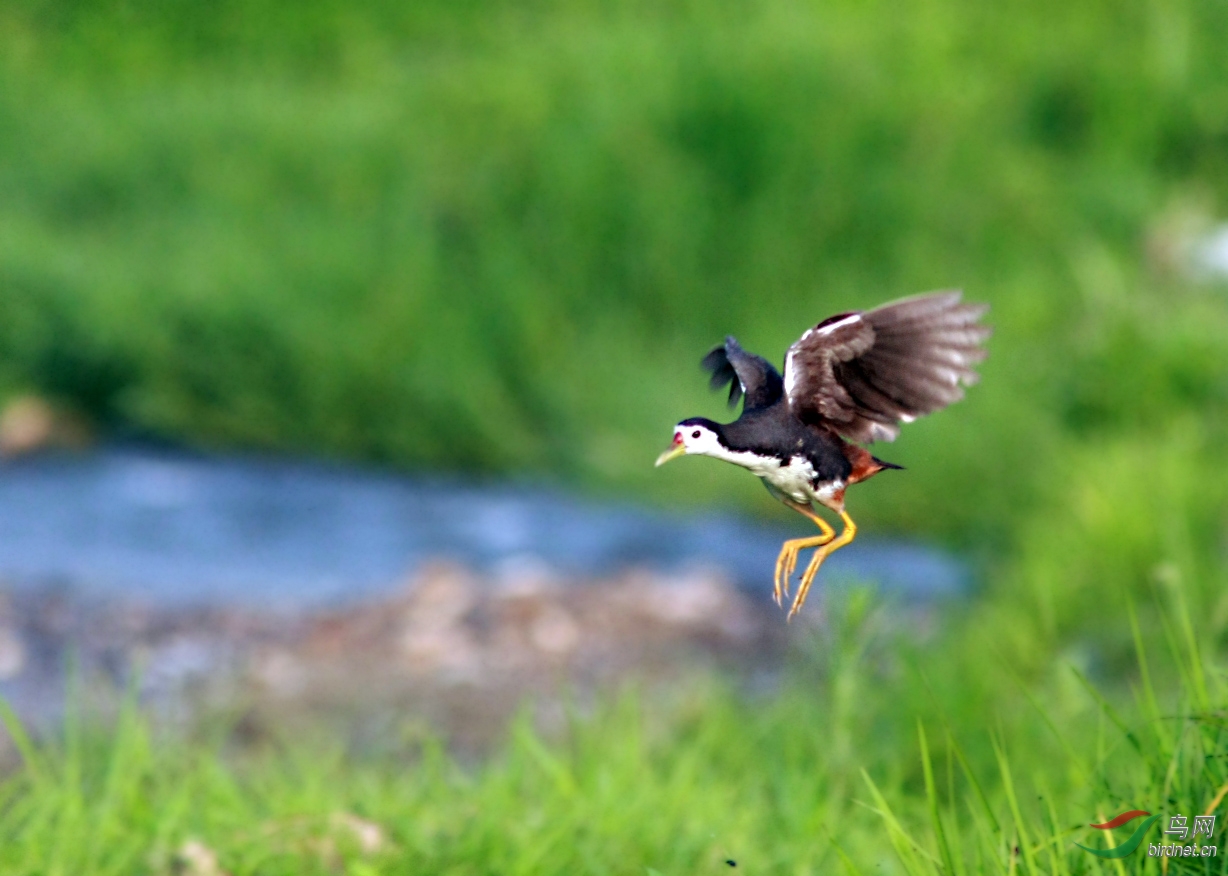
(803, 588)
(779, 579)
(790, 565)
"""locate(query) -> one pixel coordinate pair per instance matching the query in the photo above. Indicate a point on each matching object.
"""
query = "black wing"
(745, 373)
(865, 373)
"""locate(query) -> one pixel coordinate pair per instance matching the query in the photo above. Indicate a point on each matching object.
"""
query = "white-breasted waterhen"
(852, 379)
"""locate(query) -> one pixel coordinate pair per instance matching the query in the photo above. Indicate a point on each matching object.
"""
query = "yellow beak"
(673, 453)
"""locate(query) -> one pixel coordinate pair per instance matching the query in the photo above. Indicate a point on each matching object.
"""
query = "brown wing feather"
(865, 373)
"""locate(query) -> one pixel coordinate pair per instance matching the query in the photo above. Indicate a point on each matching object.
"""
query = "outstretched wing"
(865, 373)
(745, 373)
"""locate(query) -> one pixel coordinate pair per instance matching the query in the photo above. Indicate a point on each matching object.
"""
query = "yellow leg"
(826, 550)
(786, 562)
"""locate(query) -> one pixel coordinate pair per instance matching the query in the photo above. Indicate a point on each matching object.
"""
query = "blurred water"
(173, 528)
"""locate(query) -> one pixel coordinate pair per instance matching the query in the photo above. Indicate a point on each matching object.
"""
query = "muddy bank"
(452, 649)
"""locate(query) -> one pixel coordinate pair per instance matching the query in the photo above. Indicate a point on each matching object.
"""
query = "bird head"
(696, 435)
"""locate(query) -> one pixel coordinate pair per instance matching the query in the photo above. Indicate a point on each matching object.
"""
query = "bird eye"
(695, 434)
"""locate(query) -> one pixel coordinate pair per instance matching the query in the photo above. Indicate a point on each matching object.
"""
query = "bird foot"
(786, 563)
(803, 587)
(825, 550)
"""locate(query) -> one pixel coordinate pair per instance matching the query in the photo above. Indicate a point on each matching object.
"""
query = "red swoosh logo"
(1120, 820)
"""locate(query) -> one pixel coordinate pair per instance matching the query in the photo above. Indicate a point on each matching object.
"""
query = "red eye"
(695, 434)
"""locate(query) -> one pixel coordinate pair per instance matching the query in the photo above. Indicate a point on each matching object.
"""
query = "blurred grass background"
(496, 239)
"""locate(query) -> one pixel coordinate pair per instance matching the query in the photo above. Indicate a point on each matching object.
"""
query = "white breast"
(795, 480)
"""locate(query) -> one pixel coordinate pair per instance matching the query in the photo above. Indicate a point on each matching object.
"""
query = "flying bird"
(850, 380)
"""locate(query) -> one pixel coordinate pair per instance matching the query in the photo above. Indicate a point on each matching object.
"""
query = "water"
(171, 529)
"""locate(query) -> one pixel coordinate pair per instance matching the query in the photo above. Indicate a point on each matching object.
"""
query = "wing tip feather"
(928, 344)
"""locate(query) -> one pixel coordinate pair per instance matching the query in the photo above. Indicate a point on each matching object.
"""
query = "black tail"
(887, 464)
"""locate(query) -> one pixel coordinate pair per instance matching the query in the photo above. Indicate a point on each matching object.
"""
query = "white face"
(697, 439)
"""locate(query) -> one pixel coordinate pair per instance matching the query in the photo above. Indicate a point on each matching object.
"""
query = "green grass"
(881, 753)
